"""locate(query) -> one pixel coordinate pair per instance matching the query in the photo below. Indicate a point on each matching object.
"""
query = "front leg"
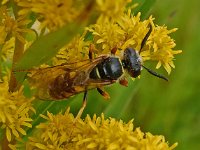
(123, 82)
(114, 50)
(91, 51)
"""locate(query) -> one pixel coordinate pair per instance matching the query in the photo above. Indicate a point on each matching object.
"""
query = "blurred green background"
(171, 109)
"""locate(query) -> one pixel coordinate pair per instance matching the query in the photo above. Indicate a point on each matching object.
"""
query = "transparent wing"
(75, 75)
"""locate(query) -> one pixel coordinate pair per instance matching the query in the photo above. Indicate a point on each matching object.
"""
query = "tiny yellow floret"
(62, 132)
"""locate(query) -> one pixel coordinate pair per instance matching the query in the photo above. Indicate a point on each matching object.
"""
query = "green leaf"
(121, 100)
(145, 8)
(45, 47)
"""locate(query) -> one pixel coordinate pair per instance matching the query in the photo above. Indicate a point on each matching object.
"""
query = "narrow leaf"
(145, 8)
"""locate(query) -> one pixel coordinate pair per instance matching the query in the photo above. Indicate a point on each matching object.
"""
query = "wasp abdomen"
(61, 87)
(110, 68)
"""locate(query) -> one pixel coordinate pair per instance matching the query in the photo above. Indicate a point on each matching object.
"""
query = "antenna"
(146, 37)
(155, 73)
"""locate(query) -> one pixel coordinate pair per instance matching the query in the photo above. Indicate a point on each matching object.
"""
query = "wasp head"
(132, 62)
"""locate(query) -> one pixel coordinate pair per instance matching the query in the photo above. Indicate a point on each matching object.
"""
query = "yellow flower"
(110, 9)
(14, 112)
(77, 49)
(4, 2)
(129, 31)
(8, 49)
(13, 27)
(162, 47)
(51, 13)
(135, 29)
(107, 35)
(3, 34)
(61, 132)
(126, 31)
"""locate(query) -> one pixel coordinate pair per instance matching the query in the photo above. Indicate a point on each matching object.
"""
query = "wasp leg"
(91, 51)
(123, 82)
(103, 93)
(83, 106)
(114, 50)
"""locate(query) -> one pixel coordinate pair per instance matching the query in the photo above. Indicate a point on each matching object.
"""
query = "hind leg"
(82, 107)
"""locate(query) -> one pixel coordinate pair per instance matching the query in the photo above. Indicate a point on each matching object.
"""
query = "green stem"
(18, 52)
(19, 49)
(5, 143)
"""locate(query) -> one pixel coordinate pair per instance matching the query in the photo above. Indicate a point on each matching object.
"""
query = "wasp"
(63, 81)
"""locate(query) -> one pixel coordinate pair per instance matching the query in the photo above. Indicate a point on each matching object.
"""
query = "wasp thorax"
(132, 62)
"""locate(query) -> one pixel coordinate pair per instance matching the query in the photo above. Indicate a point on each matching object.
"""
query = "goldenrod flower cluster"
(15, 110)
(126, 30)
(62, 132)
(12, 27)
(77, 49)
(115, 27)
(52, 13)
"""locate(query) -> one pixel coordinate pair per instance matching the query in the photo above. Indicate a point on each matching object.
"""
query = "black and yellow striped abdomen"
(111, 69)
